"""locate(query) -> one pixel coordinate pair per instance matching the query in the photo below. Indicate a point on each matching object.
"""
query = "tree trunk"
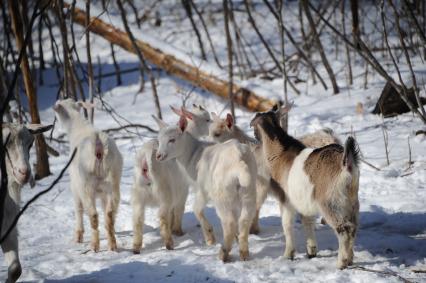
(320, 47)
(175, 66)
(42, 165)
(229, 51)
(355, 22)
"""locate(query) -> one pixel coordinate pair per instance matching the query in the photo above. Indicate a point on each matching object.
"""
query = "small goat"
(94, 172)
(157, 184)
(221, 130)
(224, 173)
(198, 120)
(324, 180)
(18, 140)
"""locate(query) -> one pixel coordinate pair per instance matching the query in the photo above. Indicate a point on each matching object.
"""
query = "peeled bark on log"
(173, 65)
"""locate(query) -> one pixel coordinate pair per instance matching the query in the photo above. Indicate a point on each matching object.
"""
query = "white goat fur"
(224, 173)
(94, 173)
(157, 184)
(19, 140)
(198, 120)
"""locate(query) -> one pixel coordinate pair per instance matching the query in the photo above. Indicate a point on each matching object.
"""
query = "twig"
(381, 272)
(34, 198)
(130, 126)
(369, 164)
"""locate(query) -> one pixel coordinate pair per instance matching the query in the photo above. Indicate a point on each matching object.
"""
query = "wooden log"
(173, 65)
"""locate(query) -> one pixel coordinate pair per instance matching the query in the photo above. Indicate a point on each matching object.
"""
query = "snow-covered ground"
(392, 234)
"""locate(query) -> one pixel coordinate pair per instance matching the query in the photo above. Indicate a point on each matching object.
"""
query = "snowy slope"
(393, 211)
(392, 234)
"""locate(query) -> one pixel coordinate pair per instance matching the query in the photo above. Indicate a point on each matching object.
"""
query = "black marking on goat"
(269, 123)
(351, 150)
(277, 190)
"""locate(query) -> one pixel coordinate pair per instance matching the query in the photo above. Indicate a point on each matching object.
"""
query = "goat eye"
(172, 141)
(208, 120)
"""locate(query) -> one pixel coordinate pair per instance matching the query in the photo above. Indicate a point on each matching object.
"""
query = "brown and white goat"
(221, 130)
(323, 180)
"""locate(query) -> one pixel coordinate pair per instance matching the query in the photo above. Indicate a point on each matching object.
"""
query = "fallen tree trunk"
(173, 65)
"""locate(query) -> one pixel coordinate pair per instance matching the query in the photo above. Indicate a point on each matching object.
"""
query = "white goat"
(94, 172)
(224, 173)
(324, 180)
(18, 140)
(157, 184)
(221, 130)
(198, 120)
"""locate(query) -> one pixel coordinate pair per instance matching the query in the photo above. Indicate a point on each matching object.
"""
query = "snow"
(392, 232)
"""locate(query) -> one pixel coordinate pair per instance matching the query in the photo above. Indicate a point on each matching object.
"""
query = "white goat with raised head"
(221, 130)
(323, 180)
(157, 184)
(224, 173)
(18, 140)
(198, 120)
(94, 172)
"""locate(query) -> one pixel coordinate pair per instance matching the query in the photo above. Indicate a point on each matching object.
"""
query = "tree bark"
(355, 22)
(42, 164)
(175, 66)
(230, 51)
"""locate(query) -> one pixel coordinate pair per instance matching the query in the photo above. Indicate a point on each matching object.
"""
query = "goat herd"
(309, 175)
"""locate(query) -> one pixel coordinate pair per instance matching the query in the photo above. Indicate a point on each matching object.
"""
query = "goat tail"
(101, 152)
(243, 175)
(351, 154)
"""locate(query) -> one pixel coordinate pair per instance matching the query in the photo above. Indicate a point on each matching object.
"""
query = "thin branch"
(130, 126)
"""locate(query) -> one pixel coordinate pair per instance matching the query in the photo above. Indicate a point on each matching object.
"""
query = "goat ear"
(229, 120)
(187, 113)
(176, 111)
(285, 109)
(161, 124)
(37, 129)
(183, 123)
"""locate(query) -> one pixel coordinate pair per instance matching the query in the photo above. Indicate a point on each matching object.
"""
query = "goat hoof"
(137, 248)
(169, 245)
(342, 264)
(95, 247)
(79, 236)
(289, 254)
(113, 247)
(14, 272)
(224, 255)
(244, 255)
(311, 251)
(178, 232)
(210, 240)
(254, 230)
